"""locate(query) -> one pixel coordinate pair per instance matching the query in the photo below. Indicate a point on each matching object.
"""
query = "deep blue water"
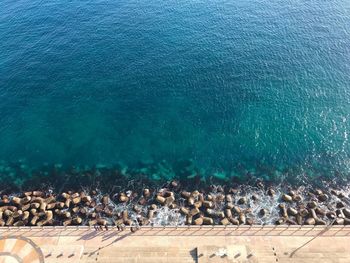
(221, 82)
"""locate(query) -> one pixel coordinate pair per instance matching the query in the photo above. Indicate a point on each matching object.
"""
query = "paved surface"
(182, 244)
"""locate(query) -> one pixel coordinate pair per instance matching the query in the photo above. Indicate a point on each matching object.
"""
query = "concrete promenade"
(182, 244)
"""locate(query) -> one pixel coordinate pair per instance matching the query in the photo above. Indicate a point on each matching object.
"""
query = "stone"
(322, 198)
(190, 200)
(271, 192)
(234, 221)
(105, 200)
(299, 219)
(185, 194)
(290, 221)
(320, 222)
(208, 204)
(188, 220)
(16, 200)
(242, 201)
(225, 222)
(312, 204)
(292, 211)
(255, 197)
(228, 213)
(146, 192)
(76, 200)
(208, 221)
(310, 221)
(229, 198)
(263, 212)
(320, 211)
(184, 211)
(77, 220)
(123, 198)
(339, 221)
(75, 195)
(160, 199)
(303, 212)
(65, 195)
(340, 204)
(169, 200)
(249, 221)
(198, 221)
(280, 221)
(242, 218)
(287, 198)
(198, 204)
(86, 198)
(346, 212)
(331, 215)
(194, 211)
(237, 210)
(297, 198)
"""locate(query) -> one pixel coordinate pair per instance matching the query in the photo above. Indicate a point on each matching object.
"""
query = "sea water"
(256, 84)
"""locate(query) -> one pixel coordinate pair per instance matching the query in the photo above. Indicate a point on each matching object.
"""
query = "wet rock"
(331, 215)
(160, 199)
(249, 221)
(198, 221)
(242, 218)
(297, 198)
(228, 213)
(287, 198)
(292, 211)
(340, 205)
(312, 204)
(237, 210)
(198, 204)
(242, 201)
(185, 194)
(303, 212)
(346, 212)
(339, 221)
(271, 192)
(188, 220)
(310, 221)
(323, 198)
(194, 211)
(234, 221)
(105, 200)
(150, 214)
(263, 212)
(77, 221)
(255, 197)
(224, 222)
(290, 221)
(318, 192)
(320, 211)
(208, 221)
(299, 219)
(123, 198)
(280, 221)
(190, 200)
(320, 222)
(184, 211)
(208, 204)
(283, 210)
(312, 213)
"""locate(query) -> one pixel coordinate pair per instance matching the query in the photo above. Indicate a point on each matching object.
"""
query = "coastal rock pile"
(173, 205)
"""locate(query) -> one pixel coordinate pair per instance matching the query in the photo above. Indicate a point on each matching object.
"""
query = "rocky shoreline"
(172, 204)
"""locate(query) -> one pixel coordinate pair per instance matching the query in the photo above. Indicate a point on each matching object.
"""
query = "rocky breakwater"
(174, 205)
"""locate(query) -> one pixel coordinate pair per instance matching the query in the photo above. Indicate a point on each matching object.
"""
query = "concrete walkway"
(181, 244)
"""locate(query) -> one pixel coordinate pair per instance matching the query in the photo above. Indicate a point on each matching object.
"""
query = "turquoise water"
(221, 82)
